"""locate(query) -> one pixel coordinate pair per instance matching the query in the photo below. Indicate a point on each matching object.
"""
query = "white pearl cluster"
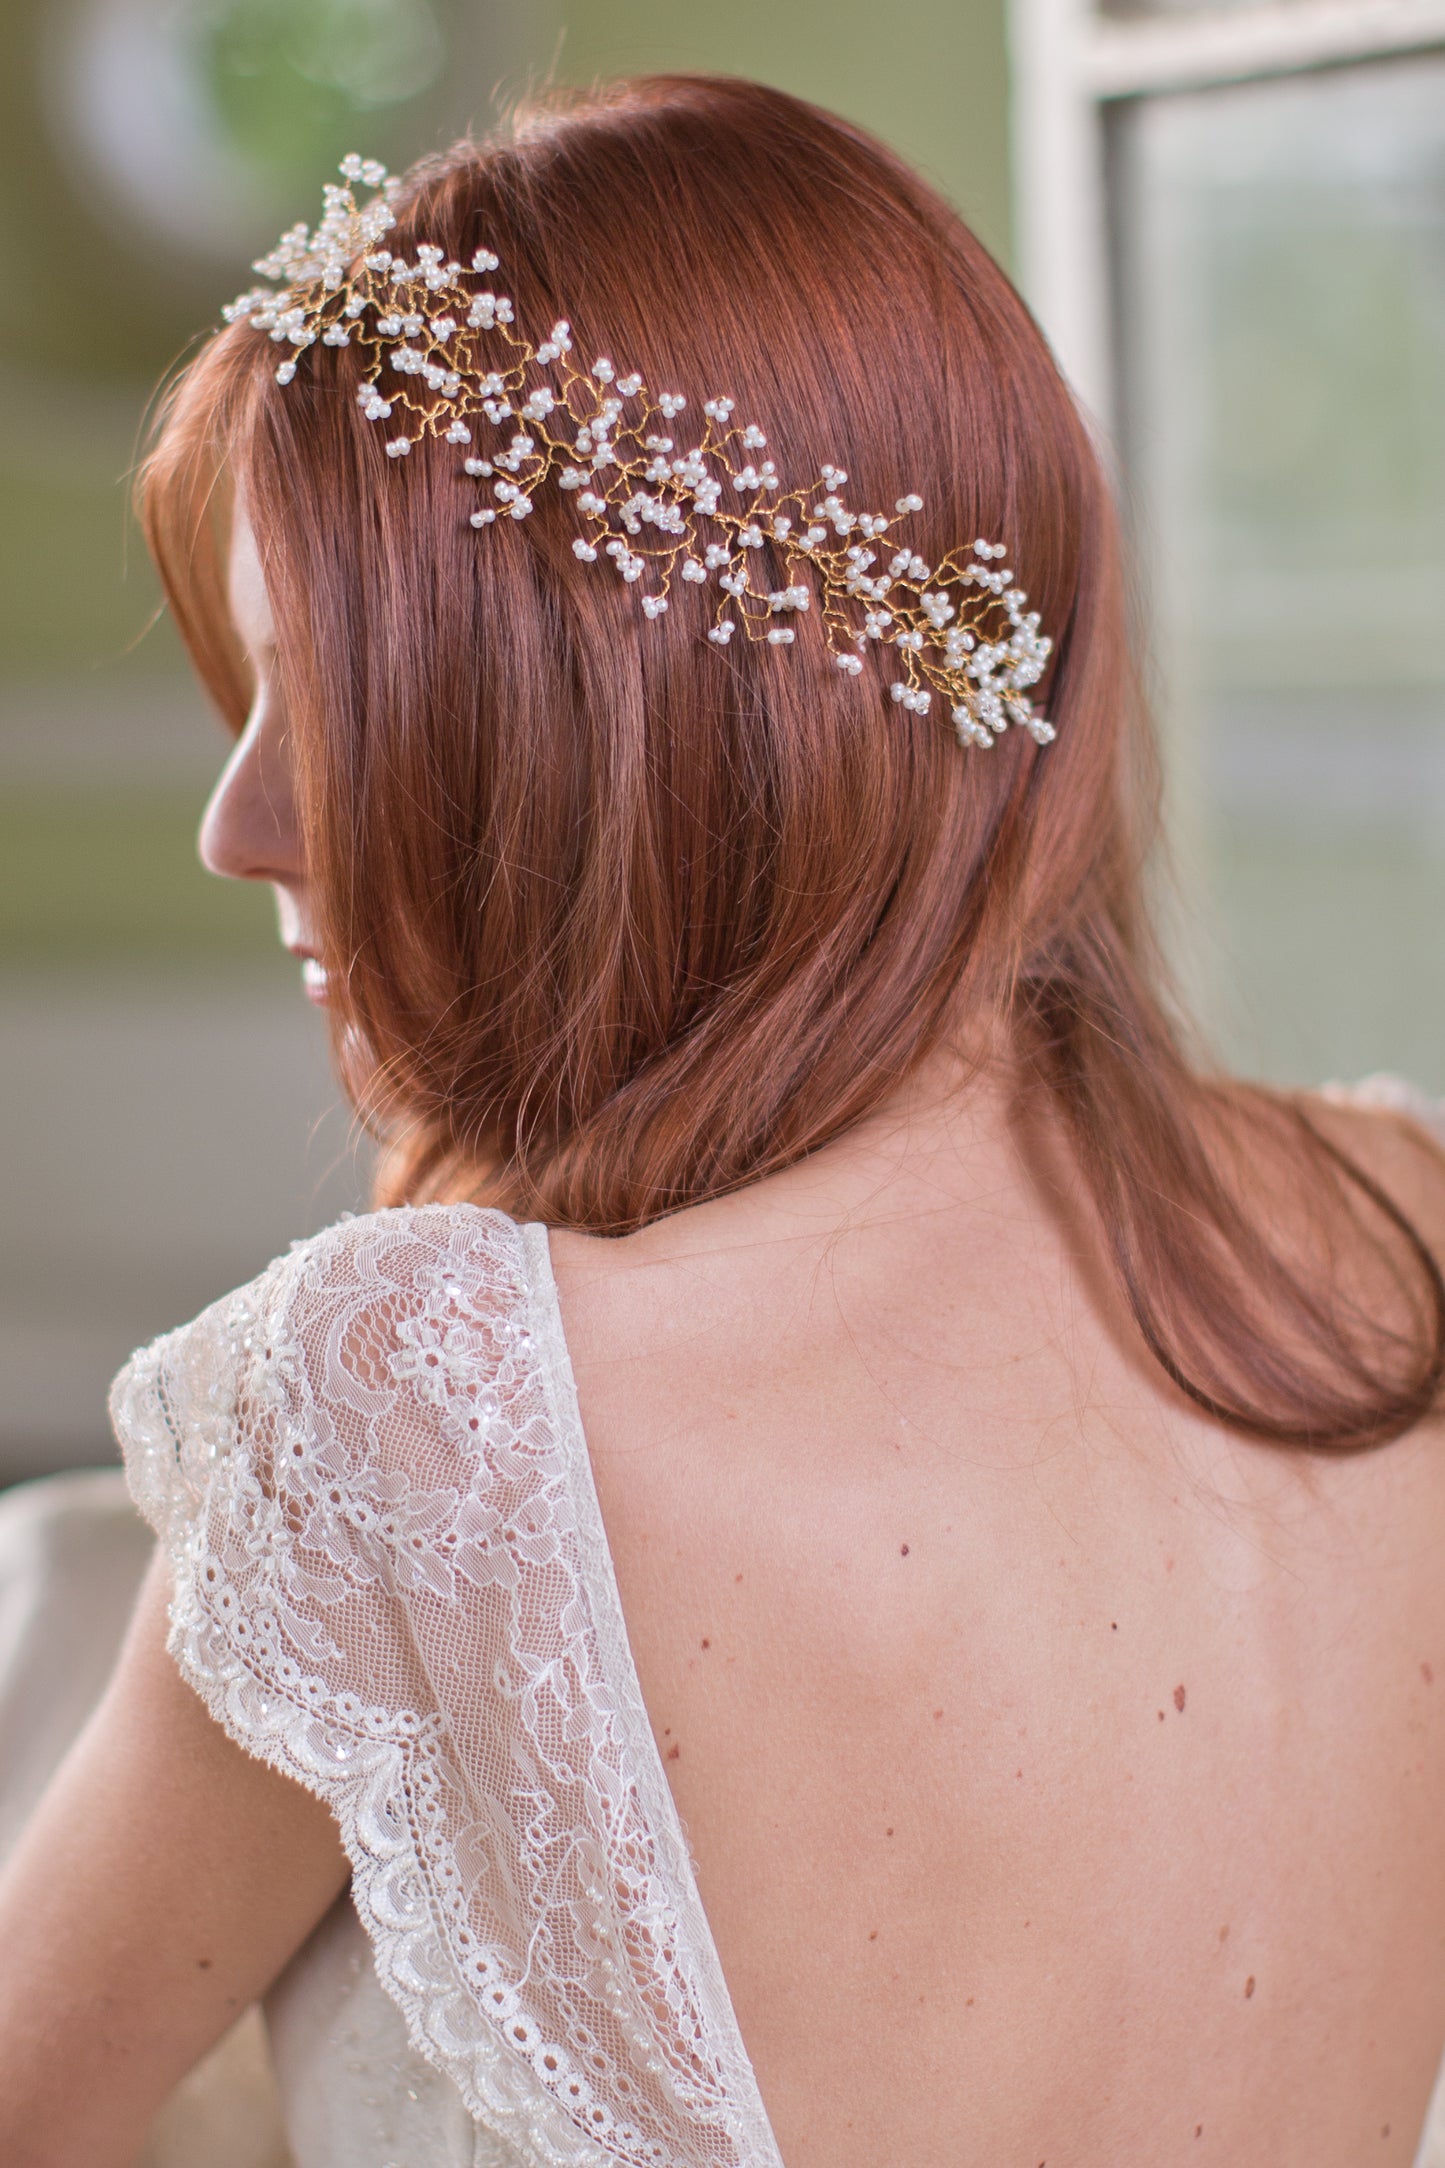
(960, 628)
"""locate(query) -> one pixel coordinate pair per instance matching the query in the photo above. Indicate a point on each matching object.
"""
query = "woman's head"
(625, 917)
(614, 921)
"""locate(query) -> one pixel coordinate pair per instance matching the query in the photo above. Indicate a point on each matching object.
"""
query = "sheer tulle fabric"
(392, 1581)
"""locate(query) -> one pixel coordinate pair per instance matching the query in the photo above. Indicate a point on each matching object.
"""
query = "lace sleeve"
(380, 1586)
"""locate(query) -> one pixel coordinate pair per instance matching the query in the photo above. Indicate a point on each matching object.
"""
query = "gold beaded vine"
(961, 629)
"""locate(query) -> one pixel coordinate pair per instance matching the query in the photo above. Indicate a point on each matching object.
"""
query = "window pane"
(1283, 314)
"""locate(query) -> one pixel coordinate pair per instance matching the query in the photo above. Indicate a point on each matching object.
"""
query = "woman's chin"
(315, 982)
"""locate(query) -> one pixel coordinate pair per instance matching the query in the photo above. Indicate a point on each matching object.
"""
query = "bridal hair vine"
(443, 355)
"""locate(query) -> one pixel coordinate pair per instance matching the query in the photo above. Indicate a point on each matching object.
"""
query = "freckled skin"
(1061, 1497)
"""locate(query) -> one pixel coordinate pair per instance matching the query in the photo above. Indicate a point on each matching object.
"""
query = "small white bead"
(398, 447)
(483, 519)
(584, 550)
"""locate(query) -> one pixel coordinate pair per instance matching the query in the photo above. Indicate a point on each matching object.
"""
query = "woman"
(813, 1592)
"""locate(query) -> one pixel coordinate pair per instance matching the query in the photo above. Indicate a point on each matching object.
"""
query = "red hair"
(616, 922)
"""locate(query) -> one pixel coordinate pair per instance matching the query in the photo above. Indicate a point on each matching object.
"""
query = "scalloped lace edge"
(746, 2118)
(261, 1719)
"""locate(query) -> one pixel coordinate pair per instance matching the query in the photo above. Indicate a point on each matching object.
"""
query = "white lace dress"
(392, 1581)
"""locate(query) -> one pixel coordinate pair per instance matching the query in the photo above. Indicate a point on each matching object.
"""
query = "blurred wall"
(929, 76)
(168, 1120)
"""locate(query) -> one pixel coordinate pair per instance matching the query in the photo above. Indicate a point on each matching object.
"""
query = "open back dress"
(392, 1581)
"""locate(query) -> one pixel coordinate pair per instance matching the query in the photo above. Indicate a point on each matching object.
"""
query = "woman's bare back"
(1063, 1770)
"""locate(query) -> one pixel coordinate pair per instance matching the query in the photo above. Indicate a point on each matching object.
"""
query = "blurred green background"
(168, 1123)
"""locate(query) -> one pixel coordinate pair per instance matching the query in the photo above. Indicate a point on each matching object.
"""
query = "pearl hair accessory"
(443, 355)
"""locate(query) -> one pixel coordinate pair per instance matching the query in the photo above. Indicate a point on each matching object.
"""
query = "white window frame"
(1068, 63)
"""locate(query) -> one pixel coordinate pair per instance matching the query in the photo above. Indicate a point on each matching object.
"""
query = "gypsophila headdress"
(442, 348)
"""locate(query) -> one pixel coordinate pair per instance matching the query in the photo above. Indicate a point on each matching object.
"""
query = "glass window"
(1282, 380)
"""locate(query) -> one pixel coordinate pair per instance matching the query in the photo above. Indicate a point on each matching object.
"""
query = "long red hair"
(616, 922)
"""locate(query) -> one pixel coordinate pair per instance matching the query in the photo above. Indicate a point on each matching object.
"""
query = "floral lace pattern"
(392, 1581)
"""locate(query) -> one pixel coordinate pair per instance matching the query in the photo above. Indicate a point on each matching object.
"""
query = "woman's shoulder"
(1394, 1097)
(371, 1336)
(393, 1264)
(1395, 1133)
(1387, 1139)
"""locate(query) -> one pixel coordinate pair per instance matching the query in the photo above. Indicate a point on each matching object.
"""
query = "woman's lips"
(314, 980)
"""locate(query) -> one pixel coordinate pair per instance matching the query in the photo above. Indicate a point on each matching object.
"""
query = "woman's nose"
(249, 830)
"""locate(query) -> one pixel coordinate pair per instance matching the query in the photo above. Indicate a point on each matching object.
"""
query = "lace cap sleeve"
(385, 1563)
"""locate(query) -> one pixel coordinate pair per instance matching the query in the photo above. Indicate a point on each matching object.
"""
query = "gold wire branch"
(445, 358)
